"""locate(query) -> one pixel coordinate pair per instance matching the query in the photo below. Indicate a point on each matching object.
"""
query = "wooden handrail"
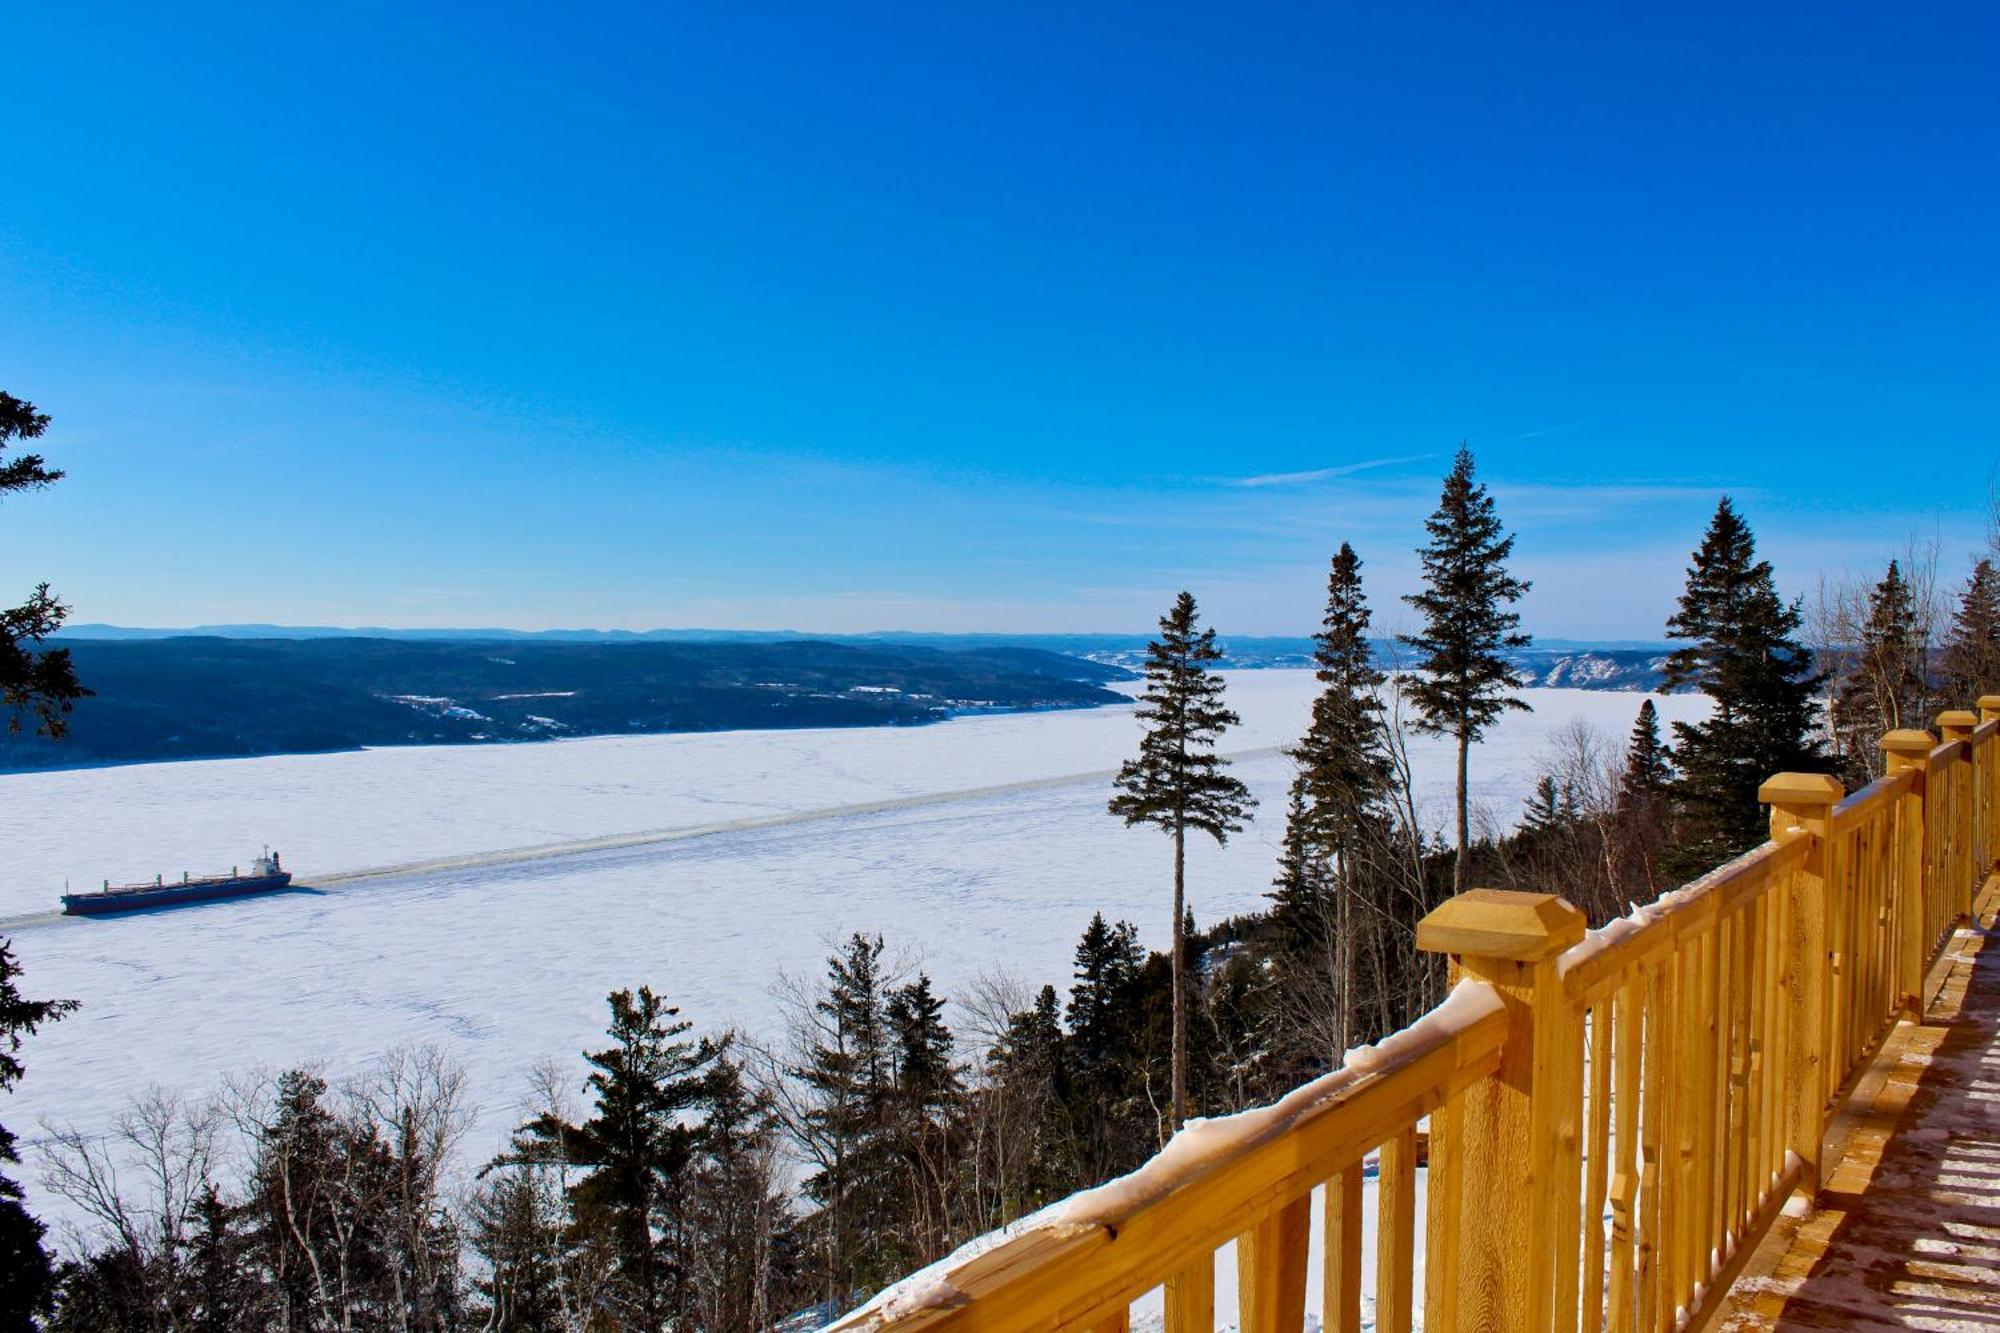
(1616, 1116)
(1083, 1257)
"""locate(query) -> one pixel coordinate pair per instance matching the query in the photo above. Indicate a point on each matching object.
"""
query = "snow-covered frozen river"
(505, 959)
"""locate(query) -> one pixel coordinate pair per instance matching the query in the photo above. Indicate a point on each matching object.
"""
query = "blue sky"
(1004, 317)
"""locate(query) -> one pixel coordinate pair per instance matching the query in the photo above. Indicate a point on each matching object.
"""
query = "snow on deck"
(1908, 1234)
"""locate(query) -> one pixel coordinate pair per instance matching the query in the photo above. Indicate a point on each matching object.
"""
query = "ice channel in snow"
(702, 865)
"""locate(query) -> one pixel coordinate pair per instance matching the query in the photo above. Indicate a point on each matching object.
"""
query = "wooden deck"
(1907, 1234)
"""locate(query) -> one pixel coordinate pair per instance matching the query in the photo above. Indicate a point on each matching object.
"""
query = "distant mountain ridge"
(213, 696)
(1619, 664)
(1611, 664)
(1074, 644)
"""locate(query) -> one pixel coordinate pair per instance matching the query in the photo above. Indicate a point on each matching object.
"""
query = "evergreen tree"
(219, 1279)
(1031, 1067)
(1641, 825)
(1177, 783)
(1548, 808)
(40, 682)
(1100, 1012)
(1302, 892)
(27, 1278)
(1104, 1023)
(1970, 664)
(1465, 682)
(1885, 687)
(1340, 793)
(305, 1228)
(105, 1292)
(926, 1079)
(650, 1086)
(1648, 763)
(927, 1134)
(737, 1210)
(850, 1078)
(1744, 654)
(517, 1228)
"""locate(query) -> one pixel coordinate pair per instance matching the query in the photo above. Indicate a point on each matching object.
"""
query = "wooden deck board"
(1907, 1234)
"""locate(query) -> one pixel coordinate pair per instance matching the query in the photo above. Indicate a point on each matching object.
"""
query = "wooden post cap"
(1989, 703)
(1502, 923)
(1793, 791)
(1957, 722)
(1908, 743)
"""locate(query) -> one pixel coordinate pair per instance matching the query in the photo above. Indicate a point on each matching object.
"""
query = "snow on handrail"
(1217, 1176)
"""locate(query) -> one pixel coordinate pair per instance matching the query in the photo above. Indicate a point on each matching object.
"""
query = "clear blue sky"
(1008, 317)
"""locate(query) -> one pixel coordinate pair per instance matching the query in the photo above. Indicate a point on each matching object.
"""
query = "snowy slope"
(506, 960)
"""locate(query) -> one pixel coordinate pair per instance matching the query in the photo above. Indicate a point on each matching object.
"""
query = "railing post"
(1957, 725)
(1986, 801)
(1505, 1129)
(1804, 801)
(1907, 749)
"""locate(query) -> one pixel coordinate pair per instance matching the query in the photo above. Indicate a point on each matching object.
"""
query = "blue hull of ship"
(170, 895)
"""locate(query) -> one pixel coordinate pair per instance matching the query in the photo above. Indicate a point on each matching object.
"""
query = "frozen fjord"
(506, 964)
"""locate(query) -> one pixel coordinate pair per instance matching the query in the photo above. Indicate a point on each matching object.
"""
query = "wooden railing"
(1615, 1116)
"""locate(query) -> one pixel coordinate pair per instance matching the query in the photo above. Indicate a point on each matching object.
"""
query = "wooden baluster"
(1599, 1167)
(1751, 1172)
(1803, 801)
(1396, 1233)
(1652, 1130)
(1340, 1272)
(1784, 960)
(1937, 824)
(1565, 1087)
(1957, 725)
(1191, 1298)
(1986, 784)
(1271, 1270)
(1444, 1196)
(1733, 1070)
(1508, 1124)
(1625, 1180)
(1674, 1157)
(1711, 1095)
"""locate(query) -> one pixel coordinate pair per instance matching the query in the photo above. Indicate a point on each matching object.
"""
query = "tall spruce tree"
(1340, 791)
(851, 1078)
(650, 1088)
(1743, 652)
(1465, 683)
(33, 680)
(928, 1133)
(1885, 685)
(1970, 663)
(1177, 782)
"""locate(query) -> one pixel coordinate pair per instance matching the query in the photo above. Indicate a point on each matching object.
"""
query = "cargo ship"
(266, 873)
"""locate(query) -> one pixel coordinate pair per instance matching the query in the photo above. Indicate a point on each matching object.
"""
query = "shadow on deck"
(1907, 1234)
